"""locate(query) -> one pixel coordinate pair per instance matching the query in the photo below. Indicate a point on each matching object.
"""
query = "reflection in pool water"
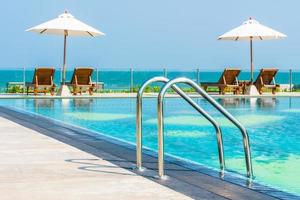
(43, 103)
(98, 116)
(246, 120)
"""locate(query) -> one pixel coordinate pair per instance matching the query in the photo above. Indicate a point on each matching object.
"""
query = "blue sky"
(150, 34)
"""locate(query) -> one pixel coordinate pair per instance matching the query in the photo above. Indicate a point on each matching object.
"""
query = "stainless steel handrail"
(191, 102)
(213, 103)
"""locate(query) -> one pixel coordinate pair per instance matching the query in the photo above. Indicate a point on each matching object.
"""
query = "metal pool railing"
(160, 113)
(192, 103)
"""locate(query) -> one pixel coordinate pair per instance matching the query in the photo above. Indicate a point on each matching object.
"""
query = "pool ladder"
(160, 115)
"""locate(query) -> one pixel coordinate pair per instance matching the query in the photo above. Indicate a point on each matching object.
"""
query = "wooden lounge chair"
(42, 81)
(82, 81)
(266, 79)
(227, 80)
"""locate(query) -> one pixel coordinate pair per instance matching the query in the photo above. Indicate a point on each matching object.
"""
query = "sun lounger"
(82, 81)
(42, 81)
(266, 79)
(227, 80)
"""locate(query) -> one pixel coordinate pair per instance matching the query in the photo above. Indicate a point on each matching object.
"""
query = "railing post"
(97, 79)
(165, 72)
(198, 76)
(24, 80)
(131, 79)
(139, 145)
(291, 80)
(61, 75)
(160, 136)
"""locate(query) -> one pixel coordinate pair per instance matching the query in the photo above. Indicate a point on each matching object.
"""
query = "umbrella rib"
(260, 38)
(236, 39)
(43, 31)
(90, 34)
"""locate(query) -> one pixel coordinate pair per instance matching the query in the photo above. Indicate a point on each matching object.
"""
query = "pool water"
(273, 126)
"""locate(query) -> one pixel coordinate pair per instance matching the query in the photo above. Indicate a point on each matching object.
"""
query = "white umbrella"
(251, 30)
(66, 25)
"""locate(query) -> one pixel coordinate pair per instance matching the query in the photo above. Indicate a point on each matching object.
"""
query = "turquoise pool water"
(273, 125)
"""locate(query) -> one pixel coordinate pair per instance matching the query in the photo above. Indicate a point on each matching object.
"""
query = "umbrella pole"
(251, 60)
(64, 90)
(65, 55)
(251, 89)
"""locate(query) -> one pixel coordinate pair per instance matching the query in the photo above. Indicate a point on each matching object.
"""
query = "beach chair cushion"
(82, 80)
(82, 76)
(266, 78)
(228, 77)
(43, 76)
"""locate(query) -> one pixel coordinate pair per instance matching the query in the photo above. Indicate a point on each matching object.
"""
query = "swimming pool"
(272, 124)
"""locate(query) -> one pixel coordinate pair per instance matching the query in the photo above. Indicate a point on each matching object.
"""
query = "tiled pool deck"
(35, 166)
(43, 159)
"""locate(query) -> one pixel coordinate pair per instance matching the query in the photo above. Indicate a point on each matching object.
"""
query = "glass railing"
(12, 79)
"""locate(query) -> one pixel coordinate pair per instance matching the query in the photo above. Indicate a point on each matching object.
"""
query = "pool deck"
(35, 166)
(43, 159)
(133, 95)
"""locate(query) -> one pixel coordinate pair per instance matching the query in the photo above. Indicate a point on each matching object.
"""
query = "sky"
(173, 34)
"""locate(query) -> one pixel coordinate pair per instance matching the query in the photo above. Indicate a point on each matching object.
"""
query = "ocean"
(121, 79)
